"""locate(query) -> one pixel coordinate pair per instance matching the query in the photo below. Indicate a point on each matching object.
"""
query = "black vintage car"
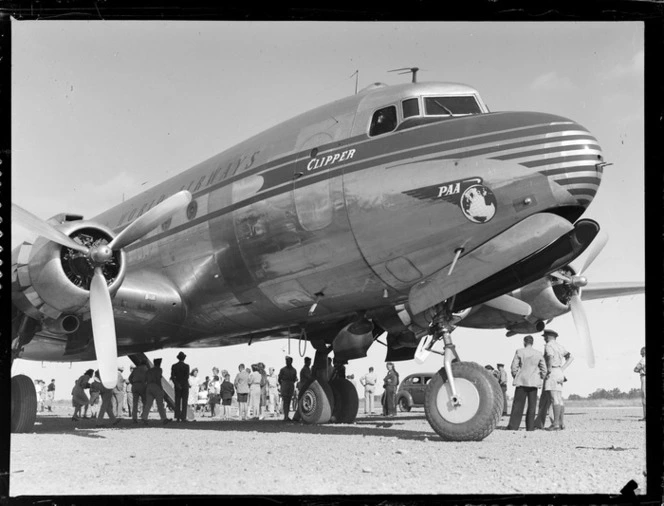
(411, 390)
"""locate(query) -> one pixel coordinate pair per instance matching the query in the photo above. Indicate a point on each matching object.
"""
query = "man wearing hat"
(287, 379)
(180, 379)
(502, 381)
(557, 360)
(129, 394)
(154, 392)
(119, 393)
(138, 379)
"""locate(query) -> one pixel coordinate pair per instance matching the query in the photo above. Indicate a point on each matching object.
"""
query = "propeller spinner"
(99, 255)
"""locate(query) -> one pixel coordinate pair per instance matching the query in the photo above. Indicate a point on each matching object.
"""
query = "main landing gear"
(462, 402)
(23, 393)
(329, 397)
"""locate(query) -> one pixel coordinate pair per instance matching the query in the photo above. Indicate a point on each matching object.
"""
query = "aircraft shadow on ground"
(376, 426)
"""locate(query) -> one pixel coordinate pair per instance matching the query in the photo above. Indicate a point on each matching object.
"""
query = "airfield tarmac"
(600, 450)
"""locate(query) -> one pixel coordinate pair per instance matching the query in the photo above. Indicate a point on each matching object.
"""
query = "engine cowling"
(50, 280)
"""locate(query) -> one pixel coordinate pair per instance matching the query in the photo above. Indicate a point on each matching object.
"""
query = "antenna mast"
(357, 75)
(412, 70)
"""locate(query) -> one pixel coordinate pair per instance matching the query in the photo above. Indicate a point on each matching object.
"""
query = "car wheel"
(403, 404)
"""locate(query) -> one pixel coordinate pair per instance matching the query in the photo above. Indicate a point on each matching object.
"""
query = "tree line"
(602, 393)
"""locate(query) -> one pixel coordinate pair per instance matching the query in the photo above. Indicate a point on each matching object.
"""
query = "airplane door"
(313, 202)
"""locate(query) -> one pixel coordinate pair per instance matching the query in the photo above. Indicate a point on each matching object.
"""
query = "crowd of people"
(257, 391)
(45, 395)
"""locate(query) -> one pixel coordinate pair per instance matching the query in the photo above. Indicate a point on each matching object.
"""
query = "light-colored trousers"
(368, 400)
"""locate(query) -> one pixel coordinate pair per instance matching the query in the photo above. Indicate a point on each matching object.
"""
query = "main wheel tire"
(403, 404)
(317, 403)
(23, 404)
(481, 403)
(346, 401)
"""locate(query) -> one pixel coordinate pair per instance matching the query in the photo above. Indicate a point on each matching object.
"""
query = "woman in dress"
(78, 396)
(194, 387)
(390, 383)
(255, 391)
(95, 395)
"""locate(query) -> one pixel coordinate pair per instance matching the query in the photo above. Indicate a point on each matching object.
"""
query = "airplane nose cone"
(569, 155)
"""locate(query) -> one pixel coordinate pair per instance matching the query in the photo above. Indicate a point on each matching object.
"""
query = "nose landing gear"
(463, 401)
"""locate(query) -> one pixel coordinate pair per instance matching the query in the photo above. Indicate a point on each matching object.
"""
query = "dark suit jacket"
(180, 374)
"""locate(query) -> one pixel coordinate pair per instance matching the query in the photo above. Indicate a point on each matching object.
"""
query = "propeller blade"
(510, 304)
(561, 276)
(581, 323)
(40, 227)
(103, 329)
(595, 249)
(151, 219)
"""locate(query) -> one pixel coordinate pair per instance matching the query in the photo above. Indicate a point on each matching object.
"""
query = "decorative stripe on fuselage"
(279, 175)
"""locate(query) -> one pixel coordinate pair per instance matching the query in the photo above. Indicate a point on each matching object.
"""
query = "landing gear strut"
(462, 402)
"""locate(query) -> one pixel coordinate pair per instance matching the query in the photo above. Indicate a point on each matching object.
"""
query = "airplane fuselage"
(326, 208)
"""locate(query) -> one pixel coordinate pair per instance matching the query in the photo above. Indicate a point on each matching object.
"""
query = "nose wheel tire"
(480, 408)
(403, 404)
(346, 402)
(317, 403)
(23, 404)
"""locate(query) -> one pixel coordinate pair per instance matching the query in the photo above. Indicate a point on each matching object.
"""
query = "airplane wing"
(611, 289)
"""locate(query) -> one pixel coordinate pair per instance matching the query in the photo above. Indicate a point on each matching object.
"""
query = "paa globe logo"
(478, 203)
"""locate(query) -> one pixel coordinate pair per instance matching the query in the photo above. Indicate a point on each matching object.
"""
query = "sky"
(104, 110)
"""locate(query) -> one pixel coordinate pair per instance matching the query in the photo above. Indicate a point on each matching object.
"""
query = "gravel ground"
(598, 453)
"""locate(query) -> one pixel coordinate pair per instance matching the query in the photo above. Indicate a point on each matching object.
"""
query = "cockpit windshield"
(448, 106)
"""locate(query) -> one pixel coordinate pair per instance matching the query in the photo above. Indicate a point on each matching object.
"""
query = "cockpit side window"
(383, 121)
(411, 107)
(448, 106)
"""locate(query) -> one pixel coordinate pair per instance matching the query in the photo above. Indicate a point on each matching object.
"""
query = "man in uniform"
(502, 381)
(180, 379)
(138, 379)
(528, 370)
(287, 378)
(118, 393)
(557, 360)
(368, 381)
(129, 395)
(154, 392)
(305, 373)
(50, 395)
(641, 370)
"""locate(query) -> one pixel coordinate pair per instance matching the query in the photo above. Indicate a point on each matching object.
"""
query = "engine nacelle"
(546, 299)
(353, 340)
(49, 280)
(65, 324)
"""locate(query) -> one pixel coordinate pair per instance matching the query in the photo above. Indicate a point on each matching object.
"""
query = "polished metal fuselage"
(316, 210)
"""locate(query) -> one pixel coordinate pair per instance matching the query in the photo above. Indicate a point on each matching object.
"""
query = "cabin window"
(411, 107)
(383, 121)
(448, 106)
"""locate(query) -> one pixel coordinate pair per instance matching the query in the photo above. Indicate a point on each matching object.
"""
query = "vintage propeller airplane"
(408, 209)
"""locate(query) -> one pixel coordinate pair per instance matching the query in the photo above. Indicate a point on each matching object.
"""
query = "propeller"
(575, 284)
(40, 227)
(101, 309)
(510, 304)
